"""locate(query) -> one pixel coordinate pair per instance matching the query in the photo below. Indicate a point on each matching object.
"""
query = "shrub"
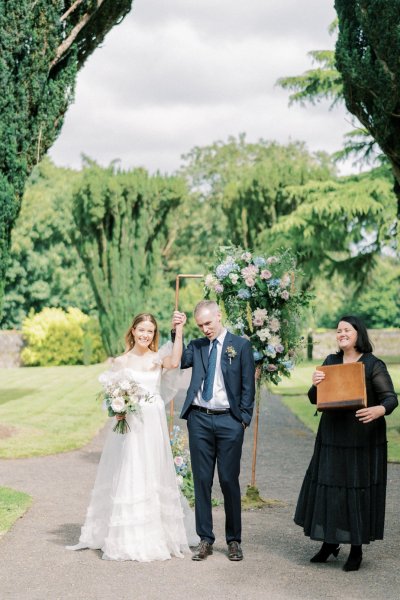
(58, 337)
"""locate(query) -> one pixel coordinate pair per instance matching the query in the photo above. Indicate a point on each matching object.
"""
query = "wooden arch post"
(177, 285)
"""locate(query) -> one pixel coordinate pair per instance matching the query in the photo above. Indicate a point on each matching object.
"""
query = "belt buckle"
(209, 412)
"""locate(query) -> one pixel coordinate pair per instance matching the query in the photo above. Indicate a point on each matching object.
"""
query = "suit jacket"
(238, 373)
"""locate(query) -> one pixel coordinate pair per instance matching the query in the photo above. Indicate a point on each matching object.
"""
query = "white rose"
(118, 404)
(125, 385)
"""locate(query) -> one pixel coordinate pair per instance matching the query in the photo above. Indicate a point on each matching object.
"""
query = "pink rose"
(265, 274)
(249, 281)
(219, 288)
(258, 322)
(285, 295)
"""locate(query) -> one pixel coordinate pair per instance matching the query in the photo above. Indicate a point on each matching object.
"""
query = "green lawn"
(294, 395)
(12, 506)
(45, 410)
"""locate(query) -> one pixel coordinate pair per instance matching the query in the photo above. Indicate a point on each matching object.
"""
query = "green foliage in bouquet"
(182, 464)
(55, 337)
(263, 301)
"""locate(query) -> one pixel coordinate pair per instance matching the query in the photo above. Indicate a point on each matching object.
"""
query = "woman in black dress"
(342, 499)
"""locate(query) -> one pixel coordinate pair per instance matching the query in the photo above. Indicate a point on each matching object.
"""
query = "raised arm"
(174, 360)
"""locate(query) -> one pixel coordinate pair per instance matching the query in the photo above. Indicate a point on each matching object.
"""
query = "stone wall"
(386, 342)
(11, 344)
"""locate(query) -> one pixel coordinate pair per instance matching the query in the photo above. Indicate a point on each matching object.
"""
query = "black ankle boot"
(354, 561)
(324, 553)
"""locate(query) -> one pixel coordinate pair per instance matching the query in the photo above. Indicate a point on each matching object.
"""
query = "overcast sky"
(182, 73)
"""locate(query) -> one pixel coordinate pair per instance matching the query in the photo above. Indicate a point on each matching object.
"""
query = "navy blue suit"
(218, 439)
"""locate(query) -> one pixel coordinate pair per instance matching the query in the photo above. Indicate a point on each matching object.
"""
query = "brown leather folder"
(343, 387)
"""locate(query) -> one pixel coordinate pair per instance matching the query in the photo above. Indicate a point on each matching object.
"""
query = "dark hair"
(129, 339)
(363, 344)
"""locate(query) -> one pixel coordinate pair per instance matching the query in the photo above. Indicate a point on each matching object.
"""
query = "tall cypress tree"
(124, 223)
(367, 56)
(43, 44)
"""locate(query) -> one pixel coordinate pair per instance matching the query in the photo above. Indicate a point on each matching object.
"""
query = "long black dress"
(342, 499)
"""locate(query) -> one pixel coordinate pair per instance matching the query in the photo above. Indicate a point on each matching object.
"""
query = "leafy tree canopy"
(339, 226)
(45, 269)
(43, 44)
(367, 53)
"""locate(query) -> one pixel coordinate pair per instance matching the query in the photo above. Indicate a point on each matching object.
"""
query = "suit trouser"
(216, 439)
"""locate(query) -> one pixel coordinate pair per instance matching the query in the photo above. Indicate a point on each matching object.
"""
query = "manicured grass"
(294, 395)
(45, 410)
(13, 505)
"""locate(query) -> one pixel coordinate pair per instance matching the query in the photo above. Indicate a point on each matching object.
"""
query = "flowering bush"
(262, 302)
(182, 464)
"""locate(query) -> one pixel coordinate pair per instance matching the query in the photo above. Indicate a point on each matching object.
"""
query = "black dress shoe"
(354, 561)
(204, 549)
(324, 553)
(234, 551)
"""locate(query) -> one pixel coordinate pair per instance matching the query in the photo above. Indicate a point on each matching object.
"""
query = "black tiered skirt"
(342, 499)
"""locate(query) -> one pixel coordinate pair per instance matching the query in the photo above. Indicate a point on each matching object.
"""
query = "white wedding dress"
(137, 511)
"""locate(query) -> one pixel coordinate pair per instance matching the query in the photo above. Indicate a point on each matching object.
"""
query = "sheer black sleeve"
(312, 392)
(382, 386)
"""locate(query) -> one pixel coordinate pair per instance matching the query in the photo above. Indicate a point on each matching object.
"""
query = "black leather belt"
(211, 411)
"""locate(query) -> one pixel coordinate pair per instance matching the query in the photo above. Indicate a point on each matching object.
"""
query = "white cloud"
(178, 74)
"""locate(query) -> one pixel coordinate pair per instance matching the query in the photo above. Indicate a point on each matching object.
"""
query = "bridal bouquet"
(122, 395)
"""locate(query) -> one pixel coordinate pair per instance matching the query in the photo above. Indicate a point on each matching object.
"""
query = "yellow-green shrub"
(58, 337)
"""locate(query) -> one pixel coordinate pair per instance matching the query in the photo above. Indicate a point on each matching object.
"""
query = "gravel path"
(35, 566)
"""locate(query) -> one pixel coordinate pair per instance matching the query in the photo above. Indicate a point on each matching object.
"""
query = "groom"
(218, 408)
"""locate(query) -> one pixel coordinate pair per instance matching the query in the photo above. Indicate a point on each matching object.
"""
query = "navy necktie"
(210, 374)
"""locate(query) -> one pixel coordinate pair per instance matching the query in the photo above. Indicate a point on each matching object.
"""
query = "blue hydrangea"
(257, 355)
(224, 269)
(270, 351)
(288, 365)
(243, 294)
(274, 282)
(259, 261)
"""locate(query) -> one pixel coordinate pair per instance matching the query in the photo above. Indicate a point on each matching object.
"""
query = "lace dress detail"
(136, 510)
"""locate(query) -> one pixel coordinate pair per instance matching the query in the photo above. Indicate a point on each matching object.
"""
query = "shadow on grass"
(11, 394)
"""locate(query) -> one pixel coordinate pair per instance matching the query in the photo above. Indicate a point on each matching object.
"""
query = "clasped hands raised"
(365, 415)
(178, 319)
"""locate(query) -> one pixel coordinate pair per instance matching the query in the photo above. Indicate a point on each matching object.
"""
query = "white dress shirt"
(219, 398)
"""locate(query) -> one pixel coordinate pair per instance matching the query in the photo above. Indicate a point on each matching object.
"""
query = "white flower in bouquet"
(259, 315)
(178, 460)
(125, 385)
(179, 480)
(263, 334)
(275, 340)
(118, 404)
(274, 324)
(122, 395)
(210, 281)
(234, 277)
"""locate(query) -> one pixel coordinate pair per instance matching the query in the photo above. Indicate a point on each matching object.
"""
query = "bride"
(136, 510)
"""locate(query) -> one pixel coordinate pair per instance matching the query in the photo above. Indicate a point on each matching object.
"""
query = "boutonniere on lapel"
(231, 352)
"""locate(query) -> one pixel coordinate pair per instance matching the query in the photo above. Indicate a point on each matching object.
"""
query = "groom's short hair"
(210, 304)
